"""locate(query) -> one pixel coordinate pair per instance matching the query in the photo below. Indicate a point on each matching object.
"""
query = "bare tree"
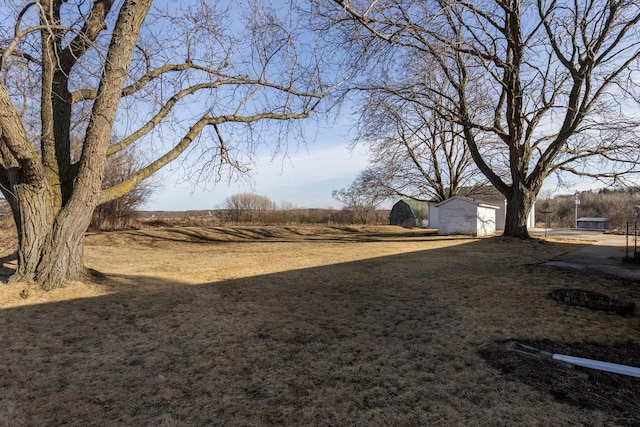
(173, 79)
(363, 196)
(247, 207)
(417, 152)
(540, 86)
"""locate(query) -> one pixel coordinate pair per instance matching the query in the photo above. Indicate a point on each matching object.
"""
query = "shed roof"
(468, 200)
(592, 219)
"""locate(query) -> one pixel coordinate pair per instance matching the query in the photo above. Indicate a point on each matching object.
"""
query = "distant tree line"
(254, 209)
(616, 204)
(360, 207)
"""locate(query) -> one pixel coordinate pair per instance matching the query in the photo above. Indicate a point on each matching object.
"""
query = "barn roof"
(417, 206)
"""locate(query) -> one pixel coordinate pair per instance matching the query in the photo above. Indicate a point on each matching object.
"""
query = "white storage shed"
(462, 215)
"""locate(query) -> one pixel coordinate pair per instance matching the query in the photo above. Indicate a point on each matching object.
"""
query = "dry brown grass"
(299, 325)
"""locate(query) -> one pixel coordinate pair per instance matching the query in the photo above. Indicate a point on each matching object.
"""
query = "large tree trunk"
(54, 207)
(50, 244)
(33, 217)
(62, 257)
(519, 204)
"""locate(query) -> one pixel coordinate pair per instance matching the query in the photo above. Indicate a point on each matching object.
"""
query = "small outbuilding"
(409, 213)
(592, 223)
(463, 215)
(487, 195)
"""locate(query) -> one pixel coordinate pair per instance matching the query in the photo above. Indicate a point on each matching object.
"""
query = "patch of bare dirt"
(593, 300)
(615, 394)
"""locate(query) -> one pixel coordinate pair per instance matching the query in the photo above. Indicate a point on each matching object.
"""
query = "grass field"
(312, 326)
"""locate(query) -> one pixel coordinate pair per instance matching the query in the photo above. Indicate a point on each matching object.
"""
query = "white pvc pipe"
(596, 364)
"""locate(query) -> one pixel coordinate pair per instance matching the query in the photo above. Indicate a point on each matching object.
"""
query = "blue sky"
(303, 179)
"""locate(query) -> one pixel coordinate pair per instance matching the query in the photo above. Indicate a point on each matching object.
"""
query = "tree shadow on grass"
(266, 234)
(382, 341)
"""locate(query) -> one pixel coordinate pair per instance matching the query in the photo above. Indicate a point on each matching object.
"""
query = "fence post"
(627, 240)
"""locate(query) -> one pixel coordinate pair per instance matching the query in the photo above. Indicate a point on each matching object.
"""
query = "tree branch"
(84, 39)
(166, 108)
(124, 186)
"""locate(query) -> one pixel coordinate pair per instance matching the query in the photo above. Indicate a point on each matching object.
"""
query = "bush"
(121, 213)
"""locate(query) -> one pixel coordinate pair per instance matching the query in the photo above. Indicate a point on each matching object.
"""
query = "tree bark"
(62, 257)
(50, 243)
(33, 218)
(519, 204)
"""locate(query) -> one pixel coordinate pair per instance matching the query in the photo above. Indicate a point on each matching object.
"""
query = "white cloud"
(304, 179)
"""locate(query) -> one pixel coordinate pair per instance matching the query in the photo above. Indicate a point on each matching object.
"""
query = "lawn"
(356, 326)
